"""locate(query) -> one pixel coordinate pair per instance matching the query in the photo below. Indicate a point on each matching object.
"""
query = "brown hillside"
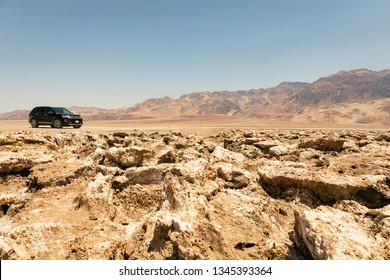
(358, 96)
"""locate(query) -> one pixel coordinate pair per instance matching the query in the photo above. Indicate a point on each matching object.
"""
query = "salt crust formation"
(239, 194)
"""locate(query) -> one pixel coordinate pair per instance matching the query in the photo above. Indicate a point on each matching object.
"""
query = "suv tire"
(57, 123)
(34, 123)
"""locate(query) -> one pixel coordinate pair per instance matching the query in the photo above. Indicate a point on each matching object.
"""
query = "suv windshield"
(62, 111)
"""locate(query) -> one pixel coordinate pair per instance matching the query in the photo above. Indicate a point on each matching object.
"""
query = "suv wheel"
(34, 123)
(57, 123)
(77, 126)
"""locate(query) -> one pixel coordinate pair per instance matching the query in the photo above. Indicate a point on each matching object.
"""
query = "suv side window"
(40, 111)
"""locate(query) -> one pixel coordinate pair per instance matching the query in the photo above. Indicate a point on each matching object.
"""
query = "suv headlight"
(66, 116)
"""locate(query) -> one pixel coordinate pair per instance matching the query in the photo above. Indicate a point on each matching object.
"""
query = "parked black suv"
(56, 117)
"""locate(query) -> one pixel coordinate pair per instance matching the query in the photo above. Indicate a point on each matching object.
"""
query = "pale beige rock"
(134, 195)
(267, 144)
(6, 249)
(328, 233)
(280, 150)
(223, 155)
(234, 177)
(18, 162)
(127, 157)
(324, 144)
(327, 186)
(56, 173)
(145, 175)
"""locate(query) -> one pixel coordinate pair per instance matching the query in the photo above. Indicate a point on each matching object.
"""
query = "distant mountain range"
(357, 96)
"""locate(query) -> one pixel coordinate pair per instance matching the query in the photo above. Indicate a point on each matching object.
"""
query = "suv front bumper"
(72, 121)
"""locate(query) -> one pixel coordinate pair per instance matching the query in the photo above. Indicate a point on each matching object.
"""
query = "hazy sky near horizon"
(117, 53)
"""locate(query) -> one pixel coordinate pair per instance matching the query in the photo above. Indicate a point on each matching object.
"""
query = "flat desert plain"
(204, 125)
(194, 188)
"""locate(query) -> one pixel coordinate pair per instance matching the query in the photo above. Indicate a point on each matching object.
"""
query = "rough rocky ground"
(238, 194)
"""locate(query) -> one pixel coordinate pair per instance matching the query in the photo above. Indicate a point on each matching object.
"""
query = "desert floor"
(208, 188)
(202, 125)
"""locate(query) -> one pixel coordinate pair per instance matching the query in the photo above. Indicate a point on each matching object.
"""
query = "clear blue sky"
(116, 53)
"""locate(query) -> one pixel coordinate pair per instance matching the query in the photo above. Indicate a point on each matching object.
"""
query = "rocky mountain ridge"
(344, 87)
(357, 96)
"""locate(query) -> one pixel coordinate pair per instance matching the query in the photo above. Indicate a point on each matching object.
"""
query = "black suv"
(56, 117)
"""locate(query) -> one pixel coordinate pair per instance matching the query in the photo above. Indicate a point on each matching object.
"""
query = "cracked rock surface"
(237, 194)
